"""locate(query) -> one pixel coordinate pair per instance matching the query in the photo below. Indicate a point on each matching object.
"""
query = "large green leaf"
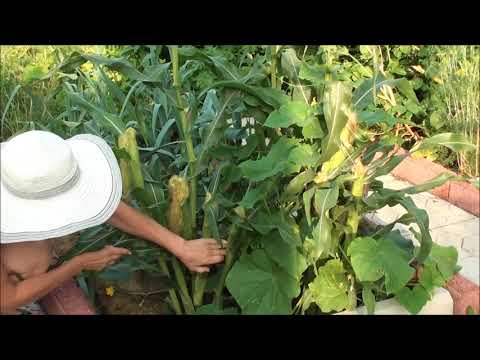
(288, 229)
(260, 286)
(406, 89)
(277, 160)
(302, 155)
(256, 194)
(456, 142)
(264, 223)
(249, 148)
(329, 290)
(285, 255)
(313, 72)
(413, 299)
(445, 259)
(313, 130)
(370, 118)
(372, 259)
(286, 226)
(337, 100)
(294, 112)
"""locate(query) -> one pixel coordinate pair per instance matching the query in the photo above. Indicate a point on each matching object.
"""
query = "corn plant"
(281, 157)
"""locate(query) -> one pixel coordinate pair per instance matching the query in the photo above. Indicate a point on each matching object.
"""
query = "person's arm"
(16, 294)
(195, 254)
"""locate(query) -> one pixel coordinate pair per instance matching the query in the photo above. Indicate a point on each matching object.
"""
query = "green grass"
(460, 91)
(25, 103)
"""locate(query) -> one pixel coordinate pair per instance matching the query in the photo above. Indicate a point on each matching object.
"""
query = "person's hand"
(198, 254)
(99, 260)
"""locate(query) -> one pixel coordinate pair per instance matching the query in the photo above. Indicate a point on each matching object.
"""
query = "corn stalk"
(185, 127)
(179, 193)
(218, 299)
(273, 66)
(200, 279)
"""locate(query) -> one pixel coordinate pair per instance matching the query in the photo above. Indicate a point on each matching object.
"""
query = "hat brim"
(90, 202)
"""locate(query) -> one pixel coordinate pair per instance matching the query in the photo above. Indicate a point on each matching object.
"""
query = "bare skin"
(23, 268)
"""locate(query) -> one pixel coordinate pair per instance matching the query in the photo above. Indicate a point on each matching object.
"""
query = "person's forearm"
(37, 287)
(133, 222)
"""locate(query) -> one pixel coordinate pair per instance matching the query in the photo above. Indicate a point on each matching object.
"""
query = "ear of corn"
(179, 192)
(135, 164)
(131, 170)
(125, 167)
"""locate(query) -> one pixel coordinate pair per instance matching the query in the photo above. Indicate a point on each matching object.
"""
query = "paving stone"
(440, 304)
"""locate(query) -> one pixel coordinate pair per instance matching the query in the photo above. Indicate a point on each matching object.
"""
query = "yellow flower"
(110, 291)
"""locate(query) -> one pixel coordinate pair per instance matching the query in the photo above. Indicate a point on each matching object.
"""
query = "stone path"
(449, 226)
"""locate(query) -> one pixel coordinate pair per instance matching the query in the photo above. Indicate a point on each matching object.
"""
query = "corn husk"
(125, 167)
(135, 164)
(179, 192)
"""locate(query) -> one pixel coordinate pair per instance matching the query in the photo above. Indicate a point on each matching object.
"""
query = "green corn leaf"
(337, 99)
(455, 142)
(104, 118)
(307, 202)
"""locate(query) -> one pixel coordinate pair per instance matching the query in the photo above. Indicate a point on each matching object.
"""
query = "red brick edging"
(68, 299)
(464, 293)
(419, 170)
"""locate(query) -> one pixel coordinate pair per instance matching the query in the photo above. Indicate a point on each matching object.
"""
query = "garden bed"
(290, 207)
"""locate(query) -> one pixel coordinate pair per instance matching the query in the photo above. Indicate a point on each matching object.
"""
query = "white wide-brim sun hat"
(51, 187)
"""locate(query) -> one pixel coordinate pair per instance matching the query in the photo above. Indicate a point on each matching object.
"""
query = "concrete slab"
(449, 225)
(440, 304)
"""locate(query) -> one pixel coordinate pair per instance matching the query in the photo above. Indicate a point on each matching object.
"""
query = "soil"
(127, 304)
(142, 295)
